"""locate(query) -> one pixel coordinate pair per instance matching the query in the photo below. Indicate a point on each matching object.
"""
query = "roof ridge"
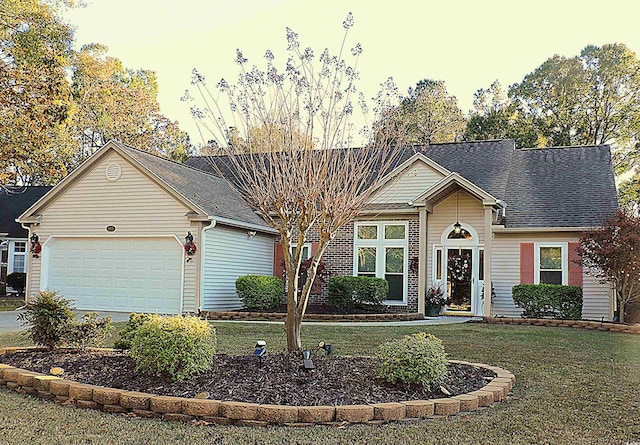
(564, 147)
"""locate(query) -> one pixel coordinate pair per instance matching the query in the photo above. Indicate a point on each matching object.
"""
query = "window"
(19, 256)
(380, 250)
(306, 250)
(551, 263)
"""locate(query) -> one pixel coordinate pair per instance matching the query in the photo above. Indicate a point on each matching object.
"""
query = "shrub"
(179, 346)
(417, 358)
(46, 319)
(346, 293)
(129, 331)
(259, 292)
(90, 332)
(17, 281)
(548, 300)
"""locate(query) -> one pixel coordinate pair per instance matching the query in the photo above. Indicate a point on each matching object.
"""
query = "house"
(131, 231)
(464, 216)
(13, 238)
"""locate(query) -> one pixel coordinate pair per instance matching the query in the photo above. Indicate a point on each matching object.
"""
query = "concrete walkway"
(9, 321)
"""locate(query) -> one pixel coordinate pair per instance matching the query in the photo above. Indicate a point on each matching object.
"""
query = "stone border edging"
(277, 316)
(583, 324)
(217, 412)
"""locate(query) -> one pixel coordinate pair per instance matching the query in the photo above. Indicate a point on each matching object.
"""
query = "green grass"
(10, 303)
(573, 387)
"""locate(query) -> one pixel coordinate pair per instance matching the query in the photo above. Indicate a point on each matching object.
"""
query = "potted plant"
(435, 299)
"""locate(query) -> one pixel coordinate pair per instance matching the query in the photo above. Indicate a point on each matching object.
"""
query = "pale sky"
(466, 43)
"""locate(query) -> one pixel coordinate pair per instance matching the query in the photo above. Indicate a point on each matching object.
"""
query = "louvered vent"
(113, 172)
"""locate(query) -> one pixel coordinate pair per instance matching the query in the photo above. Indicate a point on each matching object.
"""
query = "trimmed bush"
(47, 319)
(90, 332)
(348, 293)
(179, 346)
(260, 292)
(548, 300)
(17, 281)
(129, 331)
(417, 358)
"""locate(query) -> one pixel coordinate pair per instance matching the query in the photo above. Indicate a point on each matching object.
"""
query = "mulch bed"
(335, 380)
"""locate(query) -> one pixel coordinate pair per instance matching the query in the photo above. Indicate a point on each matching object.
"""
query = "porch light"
(307, 363)
(457, 228)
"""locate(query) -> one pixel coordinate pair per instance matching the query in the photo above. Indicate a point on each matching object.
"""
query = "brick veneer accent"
(245, 414)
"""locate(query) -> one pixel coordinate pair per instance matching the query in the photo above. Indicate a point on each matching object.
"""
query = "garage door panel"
(121, 274)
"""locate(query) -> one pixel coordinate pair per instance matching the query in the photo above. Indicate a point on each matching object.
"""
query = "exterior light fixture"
(457, 228)
(260, 351)
(328, 349)
(307, 363)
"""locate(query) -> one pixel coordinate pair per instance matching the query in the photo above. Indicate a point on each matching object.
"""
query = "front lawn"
(573, 386)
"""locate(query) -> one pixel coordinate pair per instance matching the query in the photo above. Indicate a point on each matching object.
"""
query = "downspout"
(211, 225)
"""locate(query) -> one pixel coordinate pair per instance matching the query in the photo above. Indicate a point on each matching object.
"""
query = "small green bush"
(46, 319)
(17, 281)
(259, 292)
(347, 293)
(129, 331)
(179, 346)
(90, 332)
(548, 300)
(417, 358)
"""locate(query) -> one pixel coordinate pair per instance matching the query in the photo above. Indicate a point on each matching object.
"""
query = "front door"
(460, 279)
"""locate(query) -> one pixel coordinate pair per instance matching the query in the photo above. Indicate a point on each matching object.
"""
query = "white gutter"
(244, 225)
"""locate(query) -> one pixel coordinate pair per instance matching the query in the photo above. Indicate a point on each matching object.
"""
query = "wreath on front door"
(459, 268)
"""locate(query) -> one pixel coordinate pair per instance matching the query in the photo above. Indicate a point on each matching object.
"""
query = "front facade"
(476, 219)
(112, 236)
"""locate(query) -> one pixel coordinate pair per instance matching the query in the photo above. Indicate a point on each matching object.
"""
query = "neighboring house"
(461, 215)
(14, 243)
(520, 214)
(113, 236)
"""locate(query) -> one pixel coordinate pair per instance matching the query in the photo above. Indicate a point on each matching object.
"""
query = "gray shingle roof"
(209, 192)
(554, 187)
(13, 204)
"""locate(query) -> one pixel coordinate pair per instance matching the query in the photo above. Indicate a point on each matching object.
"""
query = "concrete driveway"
(9, 319)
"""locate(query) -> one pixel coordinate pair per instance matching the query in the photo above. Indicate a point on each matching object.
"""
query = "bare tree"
(296, 164)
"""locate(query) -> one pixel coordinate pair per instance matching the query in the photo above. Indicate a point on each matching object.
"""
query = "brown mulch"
(280, 380)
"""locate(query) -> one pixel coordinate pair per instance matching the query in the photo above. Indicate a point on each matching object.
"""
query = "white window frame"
(13, 254)
(565, 260)
(307, 245)
(381, 244)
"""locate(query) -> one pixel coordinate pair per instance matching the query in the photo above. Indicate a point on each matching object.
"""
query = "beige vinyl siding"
(505, 270)
(470, 212)
(135, 204)
(411, 183)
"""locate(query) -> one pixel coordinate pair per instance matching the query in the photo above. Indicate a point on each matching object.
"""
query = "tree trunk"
(621, 311)
(292, 327)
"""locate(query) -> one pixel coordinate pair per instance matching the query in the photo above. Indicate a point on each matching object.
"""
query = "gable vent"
(113, 172)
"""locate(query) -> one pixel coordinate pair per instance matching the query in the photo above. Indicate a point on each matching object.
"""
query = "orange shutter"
(575, 269)
(526, 263)
(317, 284)
(278, 261)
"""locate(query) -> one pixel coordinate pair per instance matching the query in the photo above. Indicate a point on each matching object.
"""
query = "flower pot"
(433, 311)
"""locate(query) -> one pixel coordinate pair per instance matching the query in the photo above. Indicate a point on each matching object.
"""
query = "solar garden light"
(307, 363)
(328, 348)
(261, 351)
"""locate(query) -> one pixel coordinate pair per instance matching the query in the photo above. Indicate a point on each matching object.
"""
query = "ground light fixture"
(307, 363)
(260, 351)
(328, 348)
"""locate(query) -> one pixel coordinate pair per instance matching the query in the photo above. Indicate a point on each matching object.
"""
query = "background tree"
(612, 254)
(35, 47)
(427, 115)
(301, 189)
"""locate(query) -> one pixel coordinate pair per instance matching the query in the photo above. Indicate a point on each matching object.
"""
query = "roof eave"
(503, 229)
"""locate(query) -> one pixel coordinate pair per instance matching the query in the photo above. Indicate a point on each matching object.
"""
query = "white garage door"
(116, 274)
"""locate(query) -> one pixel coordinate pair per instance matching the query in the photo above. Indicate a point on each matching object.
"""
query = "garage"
(129, 274)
